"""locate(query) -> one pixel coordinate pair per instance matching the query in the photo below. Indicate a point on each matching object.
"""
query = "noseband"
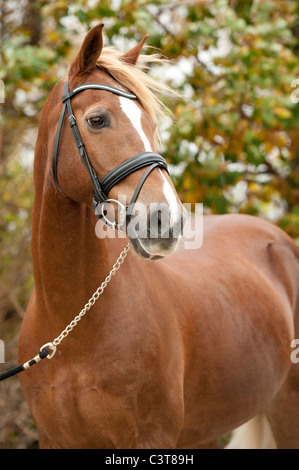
(103, 186)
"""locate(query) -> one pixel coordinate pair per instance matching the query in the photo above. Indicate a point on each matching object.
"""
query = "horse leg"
(44, 442)
(284, 419)
(283, 412)
(209, 445)
(254, 434)
(277, 427)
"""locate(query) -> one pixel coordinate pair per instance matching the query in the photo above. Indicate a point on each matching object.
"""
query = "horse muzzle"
(153, 233)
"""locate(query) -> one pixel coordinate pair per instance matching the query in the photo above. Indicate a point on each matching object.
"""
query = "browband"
(97, 86)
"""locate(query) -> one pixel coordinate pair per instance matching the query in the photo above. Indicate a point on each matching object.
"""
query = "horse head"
(114, 113)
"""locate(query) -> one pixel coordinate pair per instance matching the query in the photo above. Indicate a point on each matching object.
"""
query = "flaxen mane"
(136, 79)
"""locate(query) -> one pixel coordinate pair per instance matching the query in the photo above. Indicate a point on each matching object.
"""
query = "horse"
(184, 345)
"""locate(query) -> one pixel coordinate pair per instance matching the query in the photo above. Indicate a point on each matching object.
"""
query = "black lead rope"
(16, 370)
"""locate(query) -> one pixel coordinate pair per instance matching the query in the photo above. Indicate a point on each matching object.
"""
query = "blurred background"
(233, 142)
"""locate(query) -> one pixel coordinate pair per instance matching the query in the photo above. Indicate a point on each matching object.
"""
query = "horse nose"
(161, 223)
(157, 220)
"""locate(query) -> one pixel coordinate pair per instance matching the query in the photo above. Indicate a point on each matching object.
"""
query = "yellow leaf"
(54, 36)
(282, 112)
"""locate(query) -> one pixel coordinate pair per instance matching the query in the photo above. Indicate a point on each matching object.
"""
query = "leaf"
(282, 112)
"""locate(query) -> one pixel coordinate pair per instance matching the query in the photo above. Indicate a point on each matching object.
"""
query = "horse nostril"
(159, 219)
(159, 222)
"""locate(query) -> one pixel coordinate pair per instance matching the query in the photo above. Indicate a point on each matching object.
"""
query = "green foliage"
(242, 58)
(234, 141)
(15, 229)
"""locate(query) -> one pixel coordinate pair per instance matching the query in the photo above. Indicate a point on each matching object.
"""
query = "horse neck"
(69, 261)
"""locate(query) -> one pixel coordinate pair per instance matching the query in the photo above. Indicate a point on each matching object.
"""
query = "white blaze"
(133, 113)
(171, 200)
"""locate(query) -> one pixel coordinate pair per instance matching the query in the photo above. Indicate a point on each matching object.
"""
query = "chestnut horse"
(177, 351)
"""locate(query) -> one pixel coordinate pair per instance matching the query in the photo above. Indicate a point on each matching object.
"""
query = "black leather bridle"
(104, 185)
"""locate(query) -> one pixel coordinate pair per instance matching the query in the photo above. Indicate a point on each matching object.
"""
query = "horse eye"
(96, 122)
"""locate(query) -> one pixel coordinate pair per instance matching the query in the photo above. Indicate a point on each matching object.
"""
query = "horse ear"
(131, 57)
(88, 53)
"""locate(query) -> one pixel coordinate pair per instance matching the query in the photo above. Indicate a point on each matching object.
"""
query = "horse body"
(177, 351)
(164, 361)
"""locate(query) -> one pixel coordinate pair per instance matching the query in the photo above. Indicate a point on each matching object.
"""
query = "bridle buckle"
(72, 120)
(99, 210)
